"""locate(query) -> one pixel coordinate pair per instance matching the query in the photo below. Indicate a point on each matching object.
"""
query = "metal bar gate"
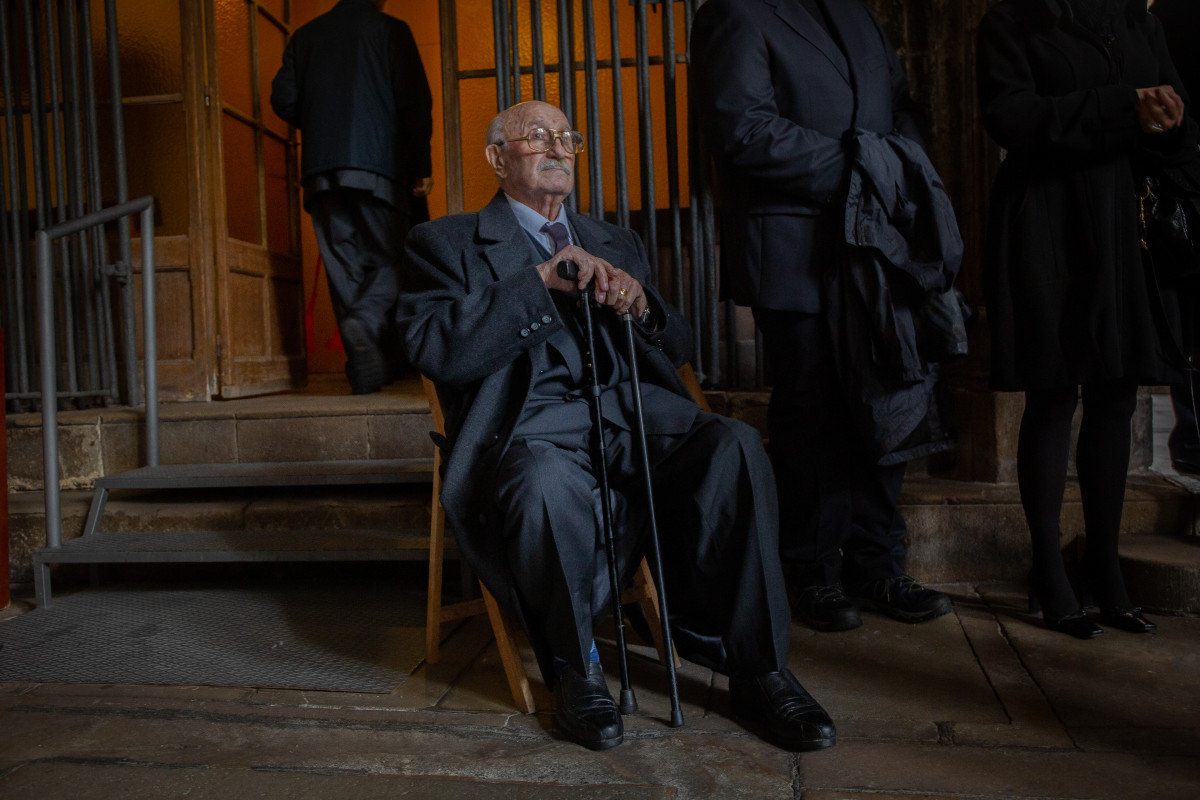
(55, 168)
(678, 229)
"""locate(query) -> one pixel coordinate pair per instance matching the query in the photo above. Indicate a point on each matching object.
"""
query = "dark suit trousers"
(718, 530)
(361, 238)
(838, 515)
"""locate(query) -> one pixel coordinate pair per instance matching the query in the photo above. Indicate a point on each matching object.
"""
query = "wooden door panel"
(259, 308)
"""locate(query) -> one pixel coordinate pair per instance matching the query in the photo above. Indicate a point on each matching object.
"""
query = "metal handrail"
(46, 347)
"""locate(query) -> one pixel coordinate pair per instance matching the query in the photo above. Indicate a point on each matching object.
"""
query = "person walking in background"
(1181, 28)
(792, 94)
(353, 83)
(1082, 96)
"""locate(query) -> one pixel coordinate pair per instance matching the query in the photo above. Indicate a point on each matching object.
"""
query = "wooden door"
(259, 284)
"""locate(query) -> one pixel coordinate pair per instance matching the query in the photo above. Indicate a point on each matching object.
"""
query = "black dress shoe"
(1127, 619)
(1186, 466)
(904, 599)
(777, 701)
(1077, 625)
(365, 365)
(587, 713)
(826, 608)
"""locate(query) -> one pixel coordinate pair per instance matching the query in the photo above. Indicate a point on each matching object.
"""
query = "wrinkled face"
(525, 175)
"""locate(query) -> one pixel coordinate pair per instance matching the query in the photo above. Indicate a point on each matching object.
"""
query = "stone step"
(388, 508)
(961, 531)
(958, 531)
(323, 422)
(1163, 572)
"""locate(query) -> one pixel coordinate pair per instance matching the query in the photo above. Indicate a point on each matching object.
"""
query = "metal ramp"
(94, 547)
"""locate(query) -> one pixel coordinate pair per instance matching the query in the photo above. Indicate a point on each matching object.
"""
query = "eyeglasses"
(541, 140)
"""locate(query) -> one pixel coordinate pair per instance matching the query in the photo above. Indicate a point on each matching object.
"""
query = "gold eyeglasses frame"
(572, 141)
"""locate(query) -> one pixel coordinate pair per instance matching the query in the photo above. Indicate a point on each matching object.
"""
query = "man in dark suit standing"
(779, 84)
(485, 314)
(1181, 28)
(353, 83)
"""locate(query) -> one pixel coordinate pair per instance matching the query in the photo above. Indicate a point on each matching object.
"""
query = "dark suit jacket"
(472, 306)
(353, 83)
(776, 95)
(1181, 27)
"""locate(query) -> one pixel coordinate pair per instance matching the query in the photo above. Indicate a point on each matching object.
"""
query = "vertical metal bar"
(514, 30)
(702, 185)
(15, 273)
(123, 234)
(60, 203)
(45, 305)
(591, 81)
(646, 136)
(733, 379)
(500, 40)
(566, 60)
(37, 115)
(619, 160)
(451, 113)
(566, 69)
(149, 334)
(75, 159)
(538, 49)
(101, 296)
(672, 140)
(37, 121)
(699, 271)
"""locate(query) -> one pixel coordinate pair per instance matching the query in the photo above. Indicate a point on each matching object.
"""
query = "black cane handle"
(568, 270)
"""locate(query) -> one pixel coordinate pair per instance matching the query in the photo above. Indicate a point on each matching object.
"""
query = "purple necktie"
(558, 233)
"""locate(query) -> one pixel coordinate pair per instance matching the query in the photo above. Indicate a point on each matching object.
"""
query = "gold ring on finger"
(622, 292)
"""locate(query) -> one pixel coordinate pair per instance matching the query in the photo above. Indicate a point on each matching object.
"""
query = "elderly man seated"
(486, 316)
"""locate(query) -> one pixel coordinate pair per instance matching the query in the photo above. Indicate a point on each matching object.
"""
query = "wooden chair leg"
(433, 600)
(510, 658)
(647, 596)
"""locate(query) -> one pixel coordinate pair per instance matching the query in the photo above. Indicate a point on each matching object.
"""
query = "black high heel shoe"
(1127, 619)
(1075, 624)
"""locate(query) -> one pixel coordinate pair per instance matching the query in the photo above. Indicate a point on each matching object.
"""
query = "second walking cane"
(628, 704)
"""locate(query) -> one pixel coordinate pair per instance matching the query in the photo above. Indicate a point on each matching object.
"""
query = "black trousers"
(362, 241)
(716, 507)
(838, 516)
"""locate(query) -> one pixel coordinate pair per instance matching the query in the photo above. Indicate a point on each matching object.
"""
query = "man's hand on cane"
(614, 287)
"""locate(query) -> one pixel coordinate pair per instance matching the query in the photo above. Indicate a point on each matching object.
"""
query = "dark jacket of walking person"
(782, 87)
(1082, 96)
(353, 83)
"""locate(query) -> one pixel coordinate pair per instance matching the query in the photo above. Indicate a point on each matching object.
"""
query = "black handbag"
(1169, 218)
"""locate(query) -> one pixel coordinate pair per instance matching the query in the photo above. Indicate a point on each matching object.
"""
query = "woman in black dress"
(1082, 96)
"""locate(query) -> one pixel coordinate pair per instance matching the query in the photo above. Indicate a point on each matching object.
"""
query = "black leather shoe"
(1127, 619)
(587, 713)
(777, 701)
(365, 365)
(826, 608)
(1186, 466)
(904, 599)
(1077, 625)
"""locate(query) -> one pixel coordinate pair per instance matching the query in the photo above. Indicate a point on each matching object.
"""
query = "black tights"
(1102, 462)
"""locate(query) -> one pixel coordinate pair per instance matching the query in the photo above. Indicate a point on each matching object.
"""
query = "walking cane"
(568, 271)
(664, 618)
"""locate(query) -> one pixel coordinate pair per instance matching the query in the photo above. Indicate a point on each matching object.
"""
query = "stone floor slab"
(52, 780)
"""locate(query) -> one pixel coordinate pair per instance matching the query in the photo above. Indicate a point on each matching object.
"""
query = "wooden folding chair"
(642, 590)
